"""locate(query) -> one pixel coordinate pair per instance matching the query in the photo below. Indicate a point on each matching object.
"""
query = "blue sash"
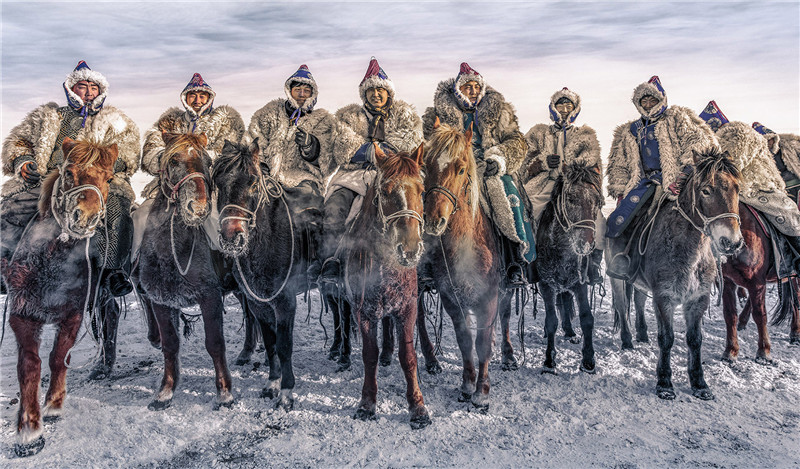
(522, 223)
(622, 216)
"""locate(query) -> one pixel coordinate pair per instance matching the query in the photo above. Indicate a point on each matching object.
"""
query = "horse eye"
(461, 171)
(706, 192)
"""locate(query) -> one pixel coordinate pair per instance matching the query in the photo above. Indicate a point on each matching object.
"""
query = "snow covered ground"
(610, 419)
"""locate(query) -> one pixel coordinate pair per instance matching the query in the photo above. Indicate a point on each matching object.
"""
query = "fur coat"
(678, 131)
(222, 123)
(581, 146)
(496, 121)
(271, 126)
(403, 131)
(35, 137)
(748, 151)
(789, 145)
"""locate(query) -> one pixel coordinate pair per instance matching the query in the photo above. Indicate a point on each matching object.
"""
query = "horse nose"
(725, 243)
(240, 240)
(77, 215)
(738, 246)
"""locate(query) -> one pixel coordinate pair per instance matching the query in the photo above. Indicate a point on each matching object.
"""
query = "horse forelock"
(239, 161)
(711, 165)
(400, 168)
(88, 153)
(184, 143)
(446, 146)
(47, 192)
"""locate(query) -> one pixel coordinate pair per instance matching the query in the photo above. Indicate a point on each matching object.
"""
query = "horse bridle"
(707, 221)
(172, 196)
(449, 194)
(563, 219)
(263, 191)
(403, 213)
(58, 201)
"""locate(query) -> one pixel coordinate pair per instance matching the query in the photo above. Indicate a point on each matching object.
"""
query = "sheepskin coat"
(275, 133)
(581, 145)
(789, 146)
(678, 131)
(749, 152)
(35, 138)
(220, 124)
(496, 121)
(403, 131)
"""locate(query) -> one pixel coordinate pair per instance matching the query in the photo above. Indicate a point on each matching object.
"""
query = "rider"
(33, 148)
(498, 147)
(381, 118)
(550, 147)
(785, 149)
(650, 152)
(295, 140)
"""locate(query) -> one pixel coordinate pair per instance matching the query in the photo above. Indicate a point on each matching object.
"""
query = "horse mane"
(182, 142)
(446, 143)
(234, 158)
(45, 198)
(580, 172)
(710, 164)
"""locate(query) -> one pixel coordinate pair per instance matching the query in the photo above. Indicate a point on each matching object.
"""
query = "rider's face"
(86, 90)
(648, 102)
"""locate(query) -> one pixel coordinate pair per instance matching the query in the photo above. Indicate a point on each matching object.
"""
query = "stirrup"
(117, 283)
(329, 273)
(612, 269)
(515, 278)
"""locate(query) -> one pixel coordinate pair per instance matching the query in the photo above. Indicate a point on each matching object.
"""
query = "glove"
(308, 145)
(120, 166)
(492, 168)
(673, 188)
(302, 138)
(29, 172)
(553, 161)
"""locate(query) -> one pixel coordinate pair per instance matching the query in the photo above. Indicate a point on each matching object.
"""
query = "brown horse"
(465, 253)
(384, 247)
(50, 279)
(175, 269)
(752, 268)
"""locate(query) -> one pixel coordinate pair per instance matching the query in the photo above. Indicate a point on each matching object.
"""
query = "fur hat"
(465, 75)
(713, 116)
(302, 75)
(82, 72)
(570, 95)
(768, 134)
(198, 84)
(375, 78)
(651, 87)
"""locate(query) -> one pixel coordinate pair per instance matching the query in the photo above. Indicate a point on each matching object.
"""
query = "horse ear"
(255, 150)
(228, 147)
(695, 156)
(379, 154)
(67, 145)
(437, 123)
(203, 139)
(420, 154)
(468, 133)
(168, 137)
(114, 151)
(726, 155)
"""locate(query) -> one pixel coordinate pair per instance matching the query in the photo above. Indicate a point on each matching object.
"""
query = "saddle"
(783, 254)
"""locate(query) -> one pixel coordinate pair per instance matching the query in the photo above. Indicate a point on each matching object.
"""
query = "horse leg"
(285, 307)
(170, 347)
(407, 356)
(484, 339)
(693, 311)
(266, 320)
(109, 313)
(212, 309)
(794, 332)
(369, 355)
(587, 328)
(28, 332)
(250, 332)
(566, 308)
(621, 292)
(550, 326)
(465, 346)
(432, 365)
(509, 360)
(639, 301)
(346, 321)
(65, 339)
(336, 346)
(729, 311)
(387, 343)
(757, 296)
(666, 338)
(153, 331)
(744, 316)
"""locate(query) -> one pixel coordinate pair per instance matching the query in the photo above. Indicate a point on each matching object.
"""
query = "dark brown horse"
(752, 268)
(383, 249)
(50, 279)
(175, 269)
(678, 265)
(258, 232)
(465, 253)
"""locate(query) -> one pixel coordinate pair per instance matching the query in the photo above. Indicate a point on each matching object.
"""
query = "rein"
(563, 218)
(707, 221)
(58, 201)
(449, 194)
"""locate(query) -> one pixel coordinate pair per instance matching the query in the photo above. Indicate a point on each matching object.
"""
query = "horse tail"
(788, 302)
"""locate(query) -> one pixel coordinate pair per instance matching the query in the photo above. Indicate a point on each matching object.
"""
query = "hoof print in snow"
(29, 449)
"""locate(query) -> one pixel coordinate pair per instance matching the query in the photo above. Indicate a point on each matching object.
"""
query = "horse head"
(76, 193)
(184, 175)
(709, 200)
(398, 197)
(241, 192)
(577, 200)
(450, 173)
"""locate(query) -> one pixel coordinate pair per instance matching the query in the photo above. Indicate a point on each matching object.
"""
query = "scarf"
(295, 114)
(85, 110)
(377, 122)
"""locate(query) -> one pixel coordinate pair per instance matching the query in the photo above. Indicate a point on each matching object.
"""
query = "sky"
(744, 55)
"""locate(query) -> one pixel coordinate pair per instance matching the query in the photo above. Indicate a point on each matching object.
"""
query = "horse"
(678, 264)
(465, 254)
(751, 268)
(50, 275)
(382, 250)
(175, 268)
(565, 241)
(258, 232)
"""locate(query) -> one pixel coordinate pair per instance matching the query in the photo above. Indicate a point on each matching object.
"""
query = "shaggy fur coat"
(496, 121)
(748, 151)
(678, 131)
(581, 146)
(403, 131)
(271, 126)
(35, 137)
(789, 145)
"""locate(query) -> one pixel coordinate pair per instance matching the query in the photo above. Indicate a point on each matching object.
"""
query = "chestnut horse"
(678, 264)
(465, 254)
(383, 249)
(175, 268)
(51, 279)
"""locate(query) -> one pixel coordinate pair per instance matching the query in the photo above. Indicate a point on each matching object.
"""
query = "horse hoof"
(549, 370)
(433, 368)
(627, 346)
(420, 421)
(666, 394)
(642, 340)
(285, 400)
(29, 449)
(51, 418)
(242, 360)
(385, 361)
(364, 415)
(333, 355)
(703, 394)
(481, 408)
(159, 405)
(575, 339)
(510, 365)
(794, 340)
(269, 393)
(464, 397)
(764, 361)
(344, 364)
(588, 368)
(99, 372)
(741, 327)
(156, 344)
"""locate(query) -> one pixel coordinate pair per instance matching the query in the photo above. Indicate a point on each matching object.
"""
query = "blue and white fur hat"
(82, 72)
(653, 88)
(555, 116)
(302, 75)
(713, 116)
(768, 134)
(198, 84)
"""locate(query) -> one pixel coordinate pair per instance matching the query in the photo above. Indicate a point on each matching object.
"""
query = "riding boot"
(425, 280)
(514, 274)
(314, 252)
(595, 277)
(794, 242)
(113, 246)
(337, 207)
